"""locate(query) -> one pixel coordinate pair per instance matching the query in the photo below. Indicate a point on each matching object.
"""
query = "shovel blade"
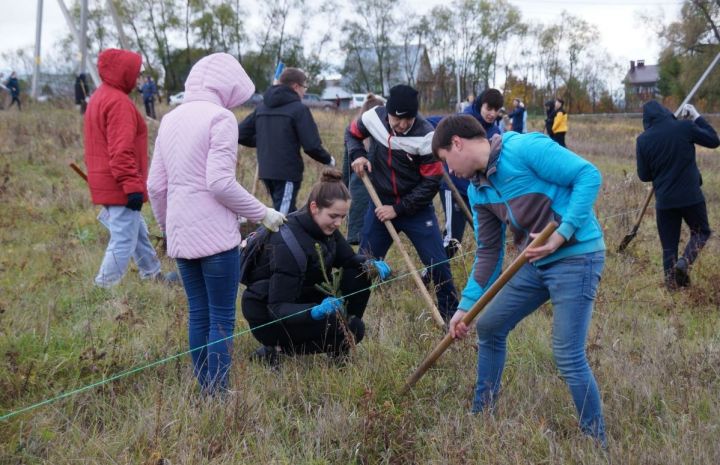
(626, 240)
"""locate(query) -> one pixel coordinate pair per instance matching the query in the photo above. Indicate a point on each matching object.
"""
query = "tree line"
(465, 44)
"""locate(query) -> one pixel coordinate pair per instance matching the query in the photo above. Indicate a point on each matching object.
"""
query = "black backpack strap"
(295, 249)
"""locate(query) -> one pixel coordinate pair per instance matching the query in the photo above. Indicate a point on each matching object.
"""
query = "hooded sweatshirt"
(115, 132)
(278, 128)
(666, 155)
(193, 191)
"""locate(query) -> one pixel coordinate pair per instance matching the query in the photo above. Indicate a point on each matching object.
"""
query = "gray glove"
(273, 220)
(689, 112)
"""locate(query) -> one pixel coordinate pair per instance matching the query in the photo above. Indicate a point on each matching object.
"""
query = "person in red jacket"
(117, 163)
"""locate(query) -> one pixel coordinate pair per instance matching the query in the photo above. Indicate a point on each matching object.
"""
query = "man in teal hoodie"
(519, 183)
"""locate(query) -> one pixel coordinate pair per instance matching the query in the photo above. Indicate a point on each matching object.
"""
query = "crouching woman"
(283, 304)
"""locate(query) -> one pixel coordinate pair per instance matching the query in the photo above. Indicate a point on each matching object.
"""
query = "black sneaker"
(268, 355)
(682, 278)
(452, 248)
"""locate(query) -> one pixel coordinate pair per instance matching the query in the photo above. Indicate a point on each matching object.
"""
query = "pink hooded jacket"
(192, 187)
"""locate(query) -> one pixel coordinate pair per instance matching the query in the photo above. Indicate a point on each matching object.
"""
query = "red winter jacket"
(115, 133)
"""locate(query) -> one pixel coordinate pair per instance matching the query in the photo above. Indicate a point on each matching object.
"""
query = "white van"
(358, 100)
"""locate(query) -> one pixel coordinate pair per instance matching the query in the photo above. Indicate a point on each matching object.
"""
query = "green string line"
(137, 369)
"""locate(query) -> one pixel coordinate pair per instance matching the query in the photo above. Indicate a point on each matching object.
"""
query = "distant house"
(335, 93)
(403, 64)
(641, 84)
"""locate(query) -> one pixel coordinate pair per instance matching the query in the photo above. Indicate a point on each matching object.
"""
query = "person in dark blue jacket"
(485, 109)
(360, 196)
(520, 183)
(666, 156)
(518, 116)
(149, 92)
(14, 86)
(278, 127)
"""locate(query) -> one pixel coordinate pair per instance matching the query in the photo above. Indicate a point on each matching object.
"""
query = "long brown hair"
(328, 190)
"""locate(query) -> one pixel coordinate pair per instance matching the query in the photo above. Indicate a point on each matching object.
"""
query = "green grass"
(655, 354)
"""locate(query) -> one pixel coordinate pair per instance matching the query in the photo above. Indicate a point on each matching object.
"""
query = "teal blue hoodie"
(530, 181)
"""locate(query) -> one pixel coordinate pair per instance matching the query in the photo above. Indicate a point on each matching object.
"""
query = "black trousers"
(559, 137)
(308, 336)
(283, 194)
(15, 99)
(669, 224)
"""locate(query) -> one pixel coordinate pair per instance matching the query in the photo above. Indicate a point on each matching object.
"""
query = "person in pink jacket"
(197, 200)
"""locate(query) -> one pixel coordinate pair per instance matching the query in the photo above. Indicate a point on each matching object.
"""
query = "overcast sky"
(622, 33)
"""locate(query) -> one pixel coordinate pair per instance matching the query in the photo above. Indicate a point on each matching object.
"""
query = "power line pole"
(71, 25)
(38, 37)
(124, 43)
(83, 35)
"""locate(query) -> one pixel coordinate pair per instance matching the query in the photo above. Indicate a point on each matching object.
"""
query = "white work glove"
(689, 112)
(273, 220)
(332, 161)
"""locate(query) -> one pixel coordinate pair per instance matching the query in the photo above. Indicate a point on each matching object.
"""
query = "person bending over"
(521, 182)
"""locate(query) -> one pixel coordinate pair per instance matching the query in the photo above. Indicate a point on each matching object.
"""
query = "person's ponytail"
(329, 189)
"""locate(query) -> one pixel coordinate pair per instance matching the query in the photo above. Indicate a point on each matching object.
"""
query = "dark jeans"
(360, 199)
(283, 194)
(455, 221)
(15, 99)
(559, 137)
(423, 231)
(150, 107)
(669, 223)
(211, 285)
(358, 208)
(308, 336)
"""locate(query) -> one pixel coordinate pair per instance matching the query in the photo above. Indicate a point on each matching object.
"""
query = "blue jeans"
(571, 285)
(211, 285)
(128, 239)
(423, 231)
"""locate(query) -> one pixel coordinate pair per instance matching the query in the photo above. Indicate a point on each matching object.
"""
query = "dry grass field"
(656, 354)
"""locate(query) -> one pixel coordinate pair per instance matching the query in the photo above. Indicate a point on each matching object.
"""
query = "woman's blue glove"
(383, 269)
(326, 307)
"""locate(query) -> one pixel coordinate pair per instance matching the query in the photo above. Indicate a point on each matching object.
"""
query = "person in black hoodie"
(278, 127)
(14, 86)
(549, 117)
(282, 303)
(666, 156)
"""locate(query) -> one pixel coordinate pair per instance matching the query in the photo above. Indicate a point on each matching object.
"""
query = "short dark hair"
(493, 98)
(464, 126)
(292, 76)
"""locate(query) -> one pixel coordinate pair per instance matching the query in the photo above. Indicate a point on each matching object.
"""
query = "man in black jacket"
(278, 128)
(666, 156)
(406, 177)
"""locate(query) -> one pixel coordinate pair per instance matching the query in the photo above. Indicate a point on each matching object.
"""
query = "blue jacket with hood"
(530, 180)
(666, 155)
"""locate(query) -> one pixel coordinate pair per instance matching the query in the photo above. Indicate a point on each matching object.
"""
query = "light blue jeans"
(571, 285)
(128, 239)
